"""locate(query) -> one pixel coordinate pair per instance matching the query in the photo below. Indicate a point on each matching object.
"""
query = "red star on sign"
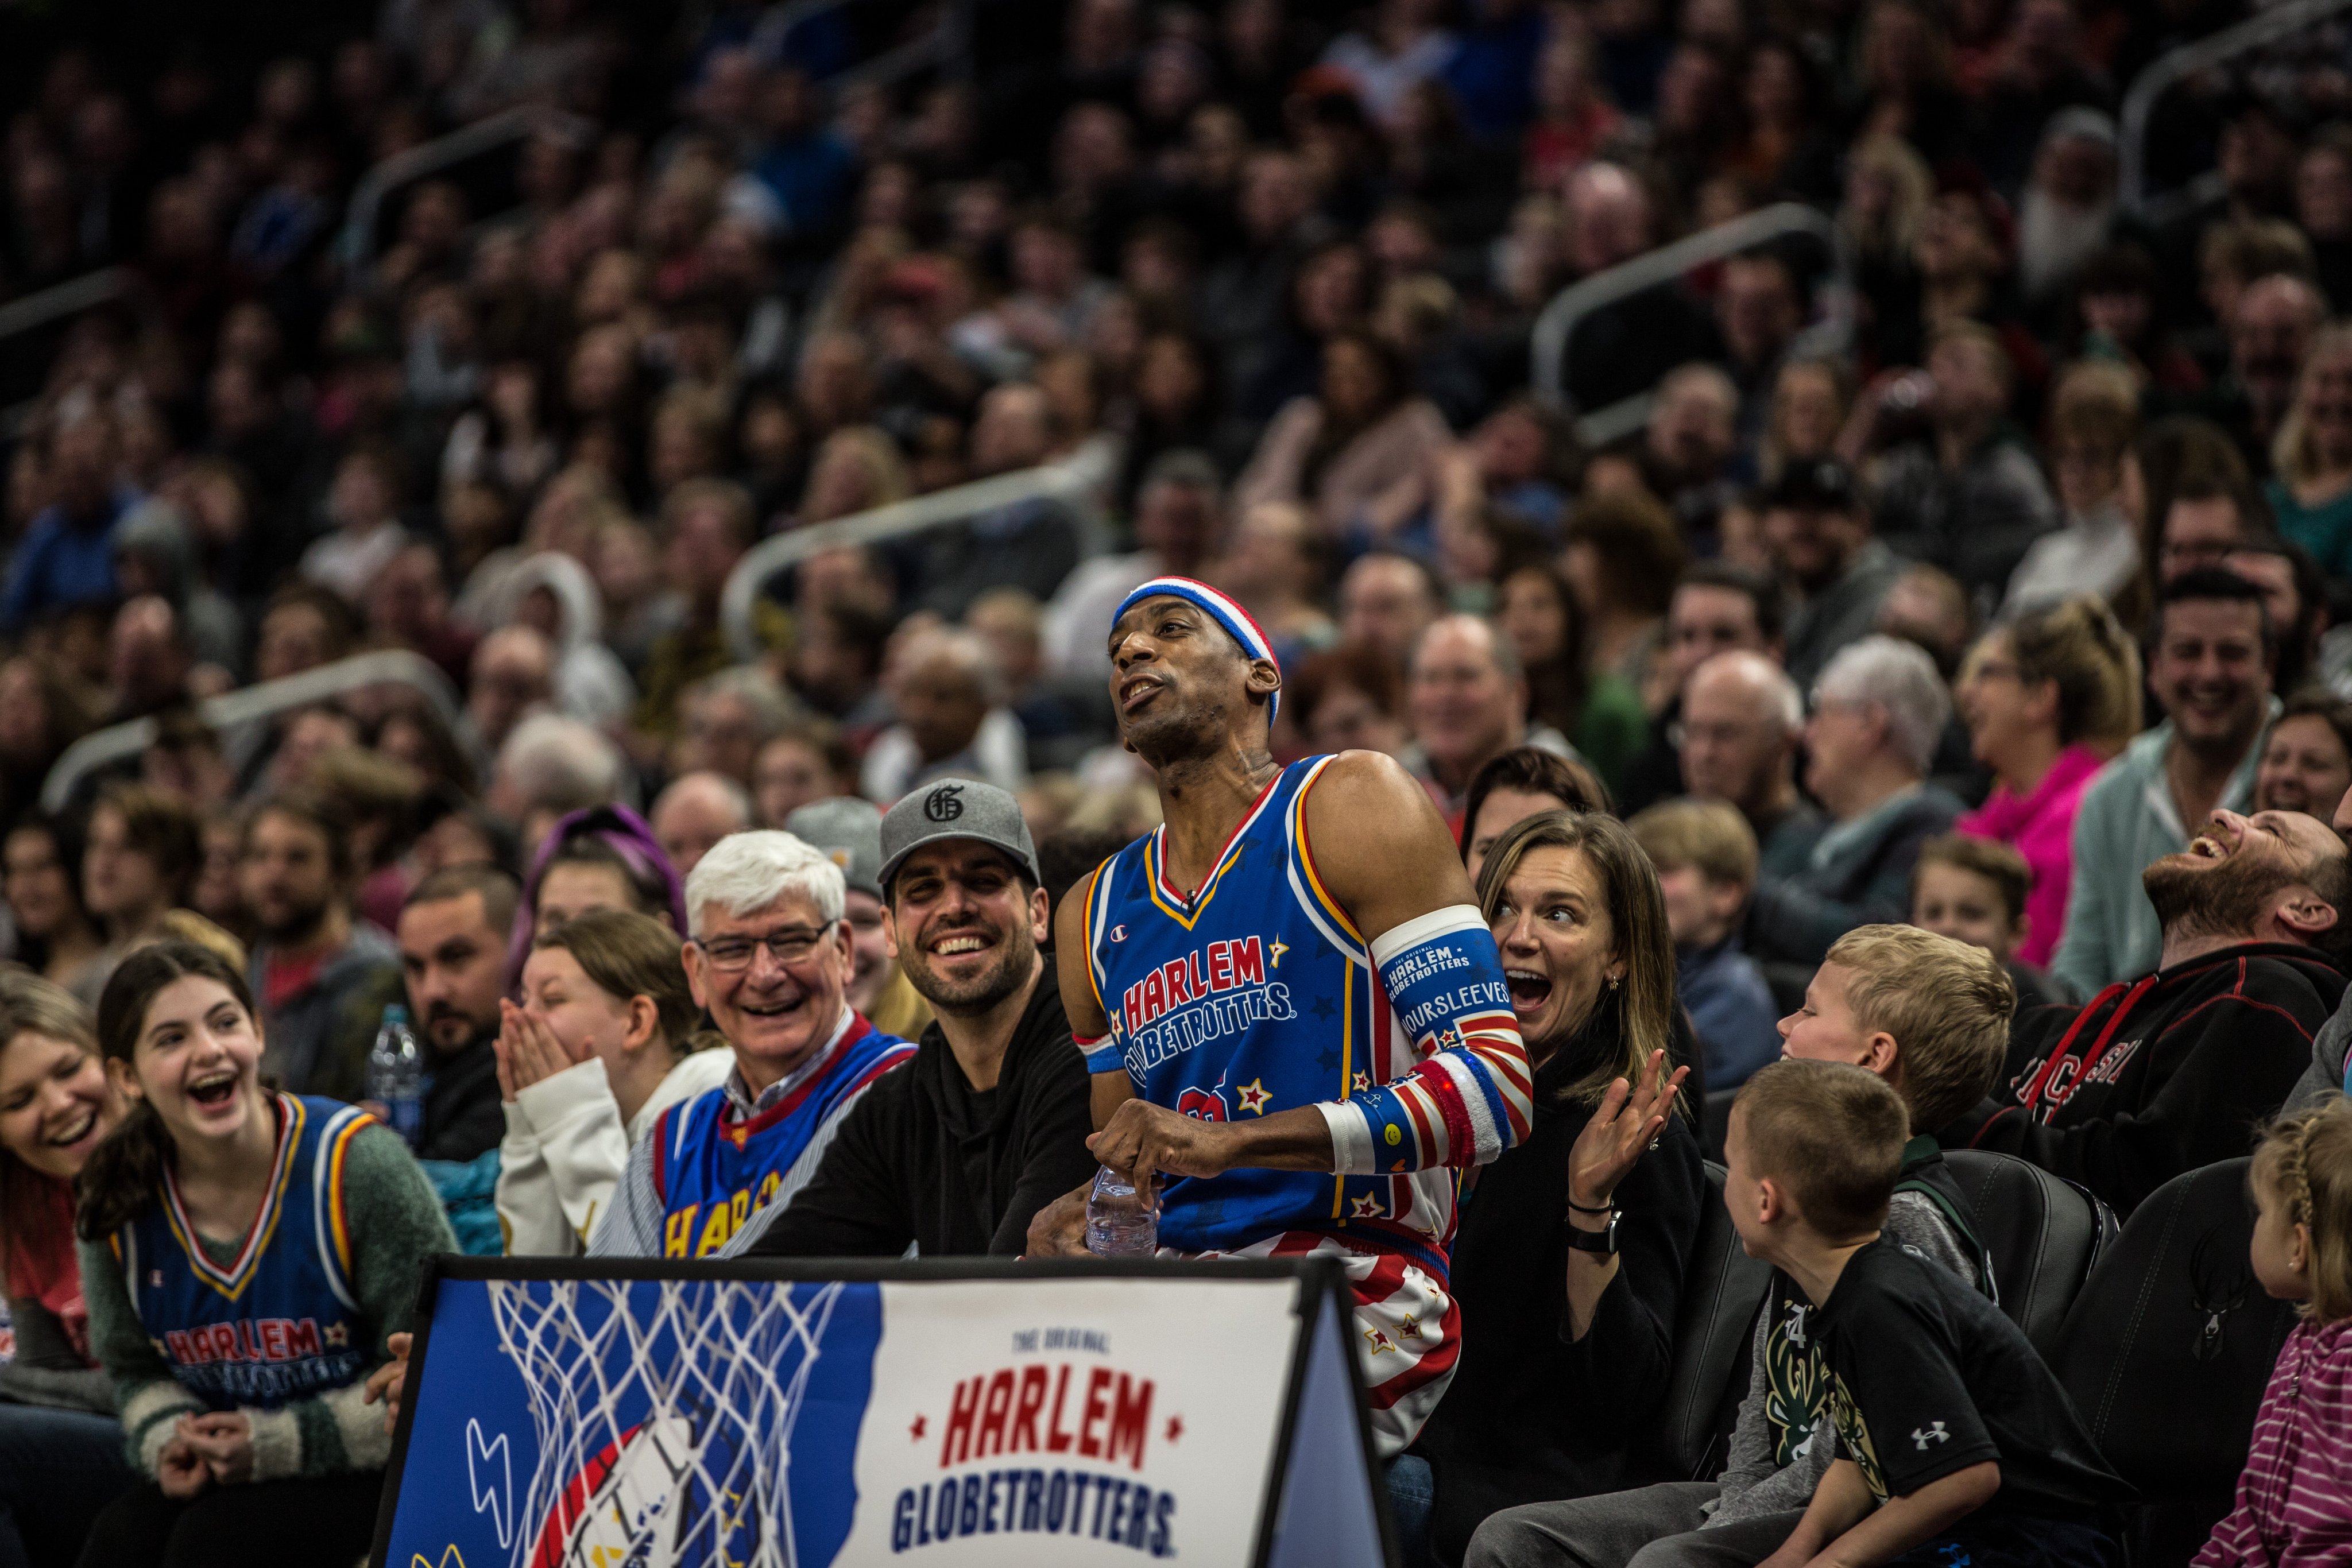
(1175, 1427)
(916, 1431)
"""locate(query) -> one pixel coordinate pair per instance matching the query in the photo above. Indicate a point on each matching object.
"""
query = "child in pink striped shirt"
(2295, 1499)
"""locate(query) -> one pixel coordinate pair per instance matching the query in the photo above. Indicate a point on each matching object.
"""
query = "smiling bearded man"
(1289, 1002)
(769, 957)
(955, 1154)
(2165, 1072)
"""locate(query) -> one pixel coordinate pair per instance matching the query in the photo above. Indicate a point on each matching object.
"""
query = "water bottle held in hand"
(1120, 1221)
(395, 1076)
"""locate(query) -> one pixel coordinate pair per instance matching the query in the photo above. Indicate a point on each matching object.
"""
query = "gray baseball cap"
(956, 809)
(850, 831)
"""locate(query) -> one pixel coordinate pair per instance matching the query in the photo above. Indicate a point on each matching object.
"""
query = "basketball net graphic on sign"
(664, 1411)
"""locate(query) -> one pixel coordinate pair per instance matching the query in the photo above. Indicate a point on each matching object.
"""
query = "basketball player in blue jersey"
(1290, 1001)
(244, 1254)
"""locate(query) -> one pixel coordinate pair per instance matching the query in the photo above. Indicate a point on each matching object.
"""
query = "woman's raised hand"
(1627, 1118)
(527, 1050)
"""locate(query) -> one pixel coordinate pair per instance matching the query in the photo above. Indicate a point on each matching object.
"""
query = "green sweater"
(395, 1222)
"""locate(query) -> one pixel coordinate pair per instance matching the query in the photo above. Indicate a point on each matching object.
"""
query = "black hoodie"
(923, 1158)
(2160, 1075)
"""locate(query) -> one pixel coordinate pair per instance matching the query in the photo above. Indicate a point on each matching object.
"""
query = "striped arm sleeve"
(1468, 1098)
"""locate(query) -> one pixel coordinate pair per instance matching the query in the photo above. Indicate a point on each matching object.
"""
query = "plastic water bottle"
(1120, 1221)
(395, 1078)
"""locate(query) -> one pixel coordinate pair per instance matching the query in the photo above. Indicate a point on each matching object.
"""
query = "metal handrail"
(2139, 101)
(357, 245)
(250, 704)
(1070, 484)
(1607, 287)
(73, 297)
(945, 43)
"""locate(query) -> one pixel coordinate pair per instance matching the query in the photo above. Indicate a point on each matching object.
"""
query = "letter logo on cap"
(943, 804)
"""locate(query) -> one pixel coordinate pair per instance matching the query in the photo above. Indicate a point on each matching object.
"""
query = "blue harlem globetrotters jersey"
(714, 1168)
(282, 1321)
(1258, 995)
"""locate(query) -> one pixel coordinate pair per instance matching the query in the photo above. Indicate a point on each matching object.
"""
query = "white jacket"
(565, 1150)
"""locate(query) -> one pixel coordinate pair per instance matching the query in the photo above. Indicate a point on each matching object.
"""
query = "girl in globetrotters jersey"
(243, 1253)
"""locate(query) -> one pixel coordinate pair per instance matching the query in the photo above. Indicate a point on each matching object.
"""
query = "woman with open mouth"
(1572, 1246)
(61, 1446)
(245, 1254)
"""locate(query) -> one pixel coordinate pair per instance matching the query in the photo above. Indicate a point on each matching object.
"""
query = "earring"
(1612, 982)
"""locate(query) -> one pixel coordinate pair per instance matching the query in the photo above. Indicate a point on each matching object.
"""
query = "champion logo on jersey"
(1119, 933)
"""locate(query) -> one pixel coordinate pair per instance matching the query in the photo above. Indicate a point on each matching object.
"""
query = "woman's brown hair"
(1532, 770)
(631, 954)
(163, 826)
(1642, 1004)
(126, 1170)
(31, 1005)
(2082, 647)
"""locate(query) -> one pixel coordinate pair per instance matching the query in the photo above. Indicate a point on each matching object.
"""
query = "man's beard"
(2225, 900)
(443, 1013)
(1016, 955)
(299, 921)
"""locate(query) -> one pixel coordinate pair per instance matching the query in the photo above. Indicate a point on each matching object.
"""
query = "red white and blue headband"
(1226, 613)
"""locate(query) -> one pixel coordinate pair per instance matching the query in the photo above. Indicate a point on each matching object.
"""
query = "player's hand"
(224, 1441)
(1060, 1229)
(387, 1382)
(1622, 1126)
(1142, 1138)
(180, 1471)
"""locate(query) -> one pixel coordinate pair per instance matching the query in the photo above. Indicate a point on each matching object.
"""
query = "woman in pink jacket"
(2048, 700)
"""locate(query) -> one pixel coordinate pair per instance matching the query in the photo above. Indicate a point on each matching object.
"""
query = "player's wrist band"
(1102, 1054)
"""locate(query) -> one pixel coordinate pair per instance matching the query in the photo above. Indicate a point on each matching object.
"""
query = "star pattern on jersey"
(1448, 1038)
(1175, 1427)
(1328, 1058)
(1322, 1007)
(1366, 1207)
(338, 1336)
(1253, 1097)
(916, 1431)
(1380, 1343)
(1409, 1328)
(1363, 1083)
(1276, 951)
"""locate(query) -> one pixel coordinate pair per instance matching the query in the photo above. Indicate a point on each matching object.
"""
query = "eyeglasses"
(789, 946)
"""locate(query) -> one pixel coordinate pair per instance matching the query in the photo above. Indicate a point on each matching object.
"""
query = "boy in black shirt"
(1954, 1441)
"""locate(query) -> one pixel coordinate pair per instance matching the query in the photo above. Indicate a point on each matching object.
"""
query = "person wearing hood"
(2165, 1072)
(954, 1151)
(554, 593)
(154, 554)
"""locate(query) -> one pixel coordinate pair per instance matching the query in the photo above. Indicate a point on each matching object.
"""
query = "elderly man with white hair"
(1878, 709)
(768, 955)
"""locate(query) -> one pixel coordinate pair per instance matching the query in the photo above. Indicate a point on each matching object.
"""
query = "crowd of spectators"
(1955, 575)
